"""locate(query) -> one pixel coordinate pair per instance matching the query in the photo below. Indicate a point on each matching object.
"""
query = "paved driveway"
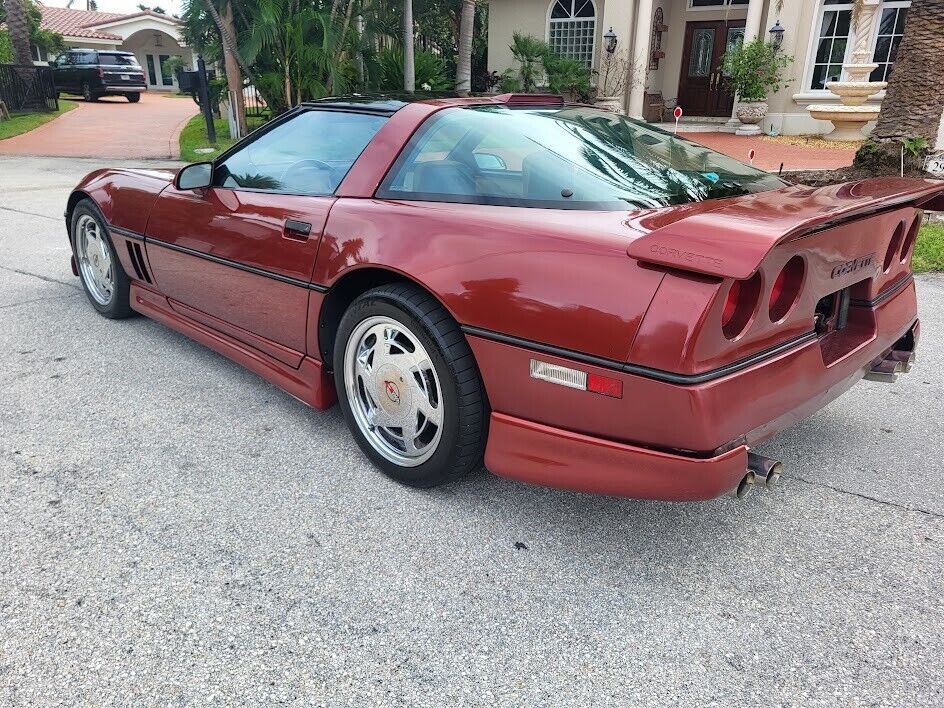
(110, 128)
(175, 531)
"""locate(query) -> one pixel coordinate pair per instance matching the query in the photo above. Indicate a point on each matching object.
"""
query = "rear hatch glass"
(117, 59)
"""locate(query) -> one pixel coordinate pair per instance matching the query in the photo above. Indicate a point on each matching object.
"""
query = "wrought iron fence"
(28, 88)
(257, 111)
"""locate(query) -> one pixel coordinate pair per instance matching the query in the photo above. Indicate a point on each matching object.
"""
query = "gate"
(28, 88)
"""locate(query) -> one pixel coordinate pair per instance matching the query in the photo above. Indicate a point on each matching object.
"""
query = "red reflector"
(605, 385)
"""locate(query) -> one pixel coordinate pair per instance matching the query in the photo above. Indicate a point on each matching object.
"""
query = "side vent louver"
(137, 261)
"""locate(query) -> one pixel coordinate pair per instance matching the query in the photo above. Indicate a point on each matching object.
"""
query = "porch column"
(640, 56)
(752, 30)
(752, 26)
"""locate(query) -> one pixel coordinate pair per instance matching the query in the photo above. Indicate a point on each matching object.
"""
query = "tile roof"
(82, 23)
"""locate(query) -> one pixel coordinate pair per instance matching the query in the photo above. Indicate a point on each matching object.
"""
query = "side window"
(87, 58)
(308, 154)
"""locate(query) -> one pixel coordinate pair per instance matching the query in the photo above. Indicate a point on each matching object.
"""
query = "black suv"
(94, 73)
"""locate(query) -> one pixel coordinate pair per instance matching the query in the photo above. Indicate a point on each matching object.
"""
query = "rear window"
(117, 59)
(562, 158)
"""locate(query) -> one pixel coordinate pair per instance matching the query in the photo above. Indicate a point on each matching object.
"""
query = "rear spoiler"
(732, 240)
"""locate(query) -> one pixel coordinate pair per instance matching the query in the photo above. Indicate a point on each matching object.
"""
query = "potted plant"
(754, 69)
(611, 81)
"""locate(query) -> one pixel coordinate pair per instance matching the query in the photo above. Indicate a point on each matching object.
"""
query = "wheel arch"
(349, 287)
(74, 198)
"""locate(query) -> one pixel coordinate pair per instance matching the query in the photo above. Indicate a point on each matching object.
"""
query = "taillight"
(894, 246)
(101, 73)
(739, 306)
(786, 288)
(910, 238)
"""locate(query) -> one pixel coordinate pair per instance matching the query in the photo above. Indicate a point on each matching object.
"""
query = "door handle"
(298, 230)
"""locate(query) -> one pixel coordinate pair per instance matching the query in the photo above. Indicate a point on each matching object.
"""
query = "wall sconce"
(776, 35)
(610, 39)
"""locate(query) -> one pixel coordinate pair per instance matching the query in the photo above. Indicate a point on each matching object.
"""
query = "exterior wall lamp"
(610, 41)
(776, 35)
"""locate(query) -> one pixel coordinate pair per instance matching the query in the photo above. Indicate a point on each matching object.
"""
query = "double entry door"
(704, 88)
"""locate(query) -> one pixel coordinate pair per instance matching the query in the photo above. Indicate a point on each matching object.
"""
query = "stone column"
(640, 58)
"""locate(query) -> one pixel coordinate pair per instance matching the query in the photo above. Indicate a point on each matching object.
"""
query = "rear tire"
(103, 278)
(409, 387)
(133, 97)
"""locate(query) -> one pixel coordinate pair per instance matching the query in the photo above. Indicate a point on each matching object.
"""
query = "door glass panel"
(167, 77)
(735, 37)
(703, 41)
(308, 154)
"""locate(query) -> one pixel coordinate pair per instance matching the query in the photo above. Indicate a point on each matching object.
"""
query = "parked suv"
(94, 73)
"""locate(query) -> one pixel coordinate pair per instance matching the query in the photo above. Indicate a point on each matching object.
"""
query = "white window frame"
(596, 27)
(814, 40)
(727, 5)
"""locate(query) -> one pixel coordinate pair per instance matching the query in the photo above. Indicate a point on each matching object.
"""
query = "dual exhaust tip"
(761, 471)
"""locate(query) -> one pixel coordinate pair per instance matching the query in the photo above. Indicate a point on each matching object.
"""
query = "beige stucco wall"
(788, 112)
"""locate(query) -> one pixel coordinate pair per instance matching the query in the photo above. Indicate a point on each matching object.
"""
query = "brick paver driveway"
(110, 127)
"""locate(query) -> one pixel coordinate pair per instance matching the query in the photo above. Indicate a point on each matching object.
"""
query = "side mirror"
(196, 176)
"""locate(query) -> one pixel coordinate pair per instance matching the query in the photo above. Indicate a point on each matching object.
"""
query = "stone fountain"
(852, 114)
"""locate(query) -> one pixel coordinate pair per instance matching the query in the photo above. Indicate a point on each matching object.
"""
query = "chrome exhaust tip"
(744, 486)
(766, 471)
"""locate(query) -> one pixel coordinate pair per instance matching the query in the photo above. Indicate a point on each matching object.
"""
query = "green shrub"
(568, 77)
(754, 68)
(429, 70)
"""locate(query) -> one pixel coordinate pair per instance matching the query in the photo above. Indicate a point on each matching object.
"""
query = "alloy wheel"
(95, 262)
(394, 391)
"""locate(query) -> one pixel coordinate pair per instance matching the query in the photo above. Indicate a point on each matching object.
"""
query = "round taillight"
(894, 245)
(910, 239)
(739, 306)
(786, 289)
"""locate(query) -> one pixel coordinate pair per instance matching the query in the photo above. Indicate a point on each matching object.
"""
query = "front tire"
(409, 387)
(87, 92)
(103, 278)
(133, 97)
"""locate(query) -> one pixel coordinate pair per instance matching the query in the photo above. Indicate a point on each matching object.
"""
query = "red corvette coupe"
(580, 299)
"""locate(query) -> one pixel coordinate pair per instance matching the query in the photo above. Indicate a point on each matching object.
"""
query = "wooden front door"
(704, 90)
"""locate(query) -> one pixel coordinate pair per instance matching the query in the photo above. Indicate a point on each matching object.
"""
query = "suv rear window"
(117, 59)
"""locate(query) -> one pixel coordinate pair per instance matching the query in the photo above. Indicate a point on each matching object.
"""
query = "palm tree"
(409, 71)
(19, 31)
(914, 98)
(464, 61)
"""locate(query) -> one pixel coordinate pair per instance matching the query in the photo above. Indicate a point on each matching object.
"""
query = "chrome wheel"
(394, 391)
(94, 256)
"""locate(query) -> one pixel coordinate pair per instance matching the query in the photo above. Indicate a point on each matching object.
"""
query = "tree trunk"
(234, 79)
(229, 41)
(409, 71)
(464, 60)
(19, 31)
(914, 99)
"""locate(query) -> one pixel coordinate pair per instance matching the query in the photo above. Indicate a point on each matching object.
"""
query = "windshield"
(564, 158)
(117, 59)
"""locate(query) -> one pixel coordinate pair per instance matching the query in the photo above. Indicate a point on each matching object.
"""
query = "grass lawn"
(194, 135)
(929, 249)
(21, 123)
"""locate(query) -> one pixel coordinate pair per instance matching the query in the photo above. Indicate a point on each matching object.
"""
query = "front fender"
(124, 197)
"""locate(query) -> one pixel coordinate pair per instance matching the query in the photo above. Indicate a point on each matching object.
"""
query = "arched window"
(572, 29)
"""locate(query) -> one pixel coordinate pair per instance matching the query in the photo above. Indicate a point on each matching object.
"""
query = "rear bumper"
(119, 88)
(664, 440)
(539, 454)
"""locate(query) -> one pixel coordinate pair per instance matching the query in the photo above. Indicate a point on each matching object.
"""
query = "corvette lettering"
(686, 256)
(852, 266)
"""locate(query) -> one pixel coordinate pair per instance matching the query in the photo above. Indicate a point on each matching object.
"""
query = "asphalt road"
(176, 531)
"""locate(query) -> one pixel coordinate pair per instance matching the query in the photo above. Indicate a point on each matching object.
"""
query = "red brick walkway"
(110, 127)
(770, 153)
